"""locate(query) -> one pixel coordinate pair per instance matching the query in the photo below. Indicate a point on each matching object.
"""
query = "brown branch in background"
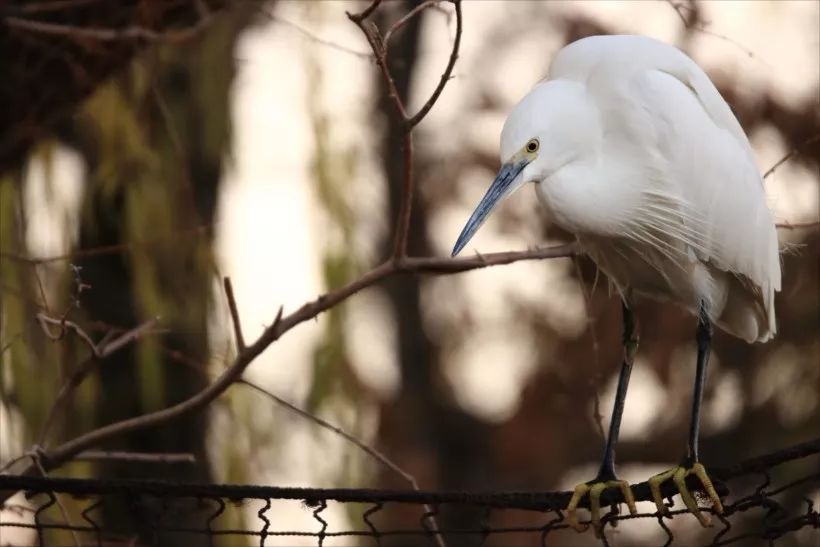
(237, 326)
(52, 6)
(98, 353)
(687, 10)
(34, 455)
(371, 33)
(316, 39)
(58, 456)
(691, 16)
(379, 46)
(367, 12)
(446, 75)
(131, 33)
(798, 225)
(366, 448)
(371, 451)
(792, 153)
(101, 350)
(136, 457)
(594, 378)
(283, 324)
(103, 250)
(404, 20)
(402, 229)
(64, 324)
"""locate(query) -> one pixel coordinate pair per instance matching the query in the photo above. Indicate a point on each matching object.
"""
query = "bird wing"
(709, 162)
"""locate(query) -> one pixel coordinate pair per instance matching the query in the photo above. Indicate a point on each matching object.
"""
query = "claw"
(678, 475)
(595, 489)
(572, 509)
(655, 482)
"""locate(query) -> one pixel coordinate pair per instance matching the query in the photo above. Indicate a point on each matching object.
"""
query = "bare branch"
(446, 75)
(371, 33)
(404, 20)
(35, 457)
(106, 349)
(237, 326)
(52, 5)
(108, 249)
(798, 225)
(317, 39)
(131, 33)
(402, 229)
(792, 153)
(368, 11)
(64, 324)
(369, 450)
(422, 265)
(136, 457)
(379, 45)
(99, 352)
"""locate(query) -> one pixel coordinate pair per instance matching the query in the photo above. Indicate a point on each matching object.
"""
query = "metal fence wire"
(768, 501)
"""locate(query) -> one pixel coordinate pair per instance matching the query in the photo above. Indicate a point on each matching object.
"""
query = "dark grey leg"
(606, 475)
(703, 335)
(691, 464)
(630, 340)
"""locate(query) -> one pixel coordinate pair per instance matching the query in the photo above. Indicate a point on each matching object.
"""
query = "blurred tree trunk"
(154, 140)
(423, 426)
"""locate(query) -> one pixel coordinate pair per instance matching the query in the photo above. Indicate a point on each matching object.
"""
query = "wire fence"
(768, 499)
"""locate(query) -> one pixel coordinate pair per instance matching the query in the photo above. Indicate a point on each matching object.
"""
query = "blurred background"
(262, 149)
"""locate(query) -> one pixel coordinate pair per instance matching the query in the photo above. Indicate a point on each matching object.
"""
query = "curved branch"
(56, 457)
(445, 76)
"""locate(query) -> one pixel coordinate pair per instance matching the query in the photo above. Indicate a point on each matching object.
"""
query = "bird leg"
(606, 475)
(691, 464)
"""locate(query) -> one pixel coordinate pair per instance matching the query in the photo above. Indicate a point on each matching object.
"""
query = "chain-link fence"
(768, 500)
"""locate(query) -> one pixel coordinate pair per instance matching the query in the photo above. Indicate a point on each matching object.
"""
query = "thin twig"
(373, 452)
(131, 33)
(64, 325)
(108, 249)
(792, 153)
(316, 39)
(798, 225)
(52, 5)
(405, 19)
(137, 457)
(446, 75)
(595, 377)
(402, 229)
(369, 450)
(98, 353)
(35, 458)
(371, 33)
(368, 11)
(237, 326)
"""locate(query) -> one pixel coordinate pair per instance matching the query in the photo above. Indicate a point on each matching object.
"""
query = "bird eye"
(532, 146)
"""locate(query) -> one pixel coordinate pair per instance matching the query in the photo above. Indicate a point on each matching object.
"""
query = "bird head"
(552, 128)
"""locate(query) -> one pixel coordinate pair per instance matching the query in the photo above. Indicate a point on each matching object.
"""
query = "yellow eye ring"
(532, 146)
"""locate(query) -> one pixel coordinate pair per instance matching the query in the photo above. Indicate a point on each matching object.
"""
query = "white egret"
(633, 150)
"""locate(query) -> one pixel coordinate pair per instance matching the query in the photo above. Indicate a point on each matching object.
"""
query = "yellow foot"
(594, 488)
(678, 475)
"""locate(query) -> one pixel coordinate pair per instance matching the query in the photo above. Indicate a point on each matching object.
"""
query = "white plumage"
(633, 150)
(640, 157)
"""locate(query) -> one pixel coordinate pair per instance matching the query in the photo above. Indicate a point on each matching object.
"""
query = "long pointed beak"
(502, 186)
